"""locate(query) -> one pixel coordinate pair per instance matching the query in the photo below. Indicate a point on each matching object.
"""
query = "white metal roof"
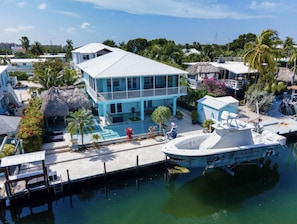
(228, 99)
(22, 158)
(234, 66)
(217, 102)
(26, 60)
(120, 63)
(60, 55)
(92, 48)
(3, 68)
(9, 124)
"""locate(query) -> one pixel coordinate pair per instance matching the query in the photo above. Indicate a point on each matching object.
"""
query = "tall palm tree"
(36, 49)
(25, 44)
(69, 48)
(80, 122)
(68, 76)
(160, 115)
(261, 53)
(293, 59)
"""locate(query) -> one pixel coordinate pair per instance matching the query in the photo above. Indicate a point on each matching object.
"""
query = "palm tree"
(25, 44)
(293, 59)
(160, 116)
(80, 122)
(69, 48)
(68, 76)
(262, 52)
(36, 49)
(4, 60)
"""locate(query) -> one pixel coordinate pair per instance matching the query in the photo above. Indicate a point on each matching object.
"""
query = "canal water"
(253, 195)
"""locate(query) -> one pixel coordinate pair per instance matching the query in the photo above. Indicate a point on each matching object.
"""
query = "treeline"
(161, 49)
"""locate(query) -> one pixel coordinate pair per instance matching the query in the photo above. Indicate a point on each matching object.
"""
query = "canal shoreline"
(124, 157)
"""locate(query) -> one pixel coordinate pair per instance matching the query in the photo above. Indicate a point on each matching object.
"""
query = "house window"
(86, 57)
(148, 82)
(132, 83)
(116, 82)
(119, 107)
(148, 104)
(116, 108)
(112, 108)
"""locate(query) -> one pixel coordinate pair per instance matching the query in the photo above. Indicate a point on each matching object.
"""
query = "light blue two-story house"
(124, 85)
(8, 98)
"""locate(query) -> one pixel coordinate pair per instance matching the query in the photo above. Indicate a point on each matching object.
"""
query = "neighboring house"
(190, 51)
(122, 84)
(199, 71)
(235, 74)
(23, 64)
(212, 107)
(54, 56)
(8, 98)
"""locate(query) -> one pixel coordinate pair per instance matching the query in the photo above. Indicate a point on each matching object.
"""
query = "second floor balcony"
(143, 93)
(235, 83)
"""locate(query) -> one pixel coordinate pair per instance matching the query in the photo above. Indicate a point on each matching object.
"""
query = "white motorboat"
(231, 143)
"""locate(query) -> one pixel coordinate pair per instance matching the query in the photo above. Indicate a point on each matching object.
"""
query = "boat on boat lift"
(233, 142)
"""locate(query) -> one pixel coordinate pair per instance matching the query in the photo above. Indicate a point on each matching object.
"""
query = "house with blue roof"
(123, 85)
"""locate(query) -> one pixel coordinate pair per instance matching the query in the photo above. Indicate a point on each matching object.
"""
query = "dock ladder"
(58, 186)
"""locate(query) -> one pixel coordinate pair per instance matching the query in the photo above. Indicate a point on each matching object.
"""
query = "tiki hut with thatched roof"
(54, 105)
(58, 102)
(76, 99)
(200, 71)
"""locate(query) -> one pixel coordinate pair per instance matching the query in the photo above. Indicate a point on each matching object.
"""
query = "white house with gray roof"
(121, 83)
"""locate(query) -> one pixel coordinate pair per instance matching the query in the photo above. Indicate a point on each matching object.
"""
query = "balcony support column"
(142, 110)
(174, 106)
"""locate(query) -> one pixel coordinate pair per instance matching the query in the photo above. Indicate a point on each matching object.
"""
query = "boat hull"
(231, 157)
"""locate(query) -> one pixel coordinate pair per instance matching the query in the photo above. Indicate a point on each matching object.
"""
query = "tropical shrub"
(8, 150)
(20, 75)
(214, 87)
(207, 124)
(179, 115)
(32, 126)
(160, 115)
(194, 116)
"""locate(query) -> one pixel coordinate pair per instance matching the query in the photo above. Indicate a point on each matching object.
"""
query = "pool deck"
(118, 156)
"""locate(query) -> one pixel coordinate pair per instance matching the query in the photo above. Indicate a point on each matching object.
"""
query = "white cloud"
(263, 5)
(71, 30)
(18, 28)
(42, 6)
(206, 9)
(67, 13)
(21, 4)
(84, 25)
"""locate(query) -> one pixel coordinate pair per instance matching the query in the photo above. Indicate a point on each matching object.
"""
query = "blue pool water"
(137, 127)
(117, 130)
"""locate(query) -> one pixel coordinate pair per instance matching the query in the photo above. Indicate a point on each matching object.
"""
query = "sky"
(183, 21)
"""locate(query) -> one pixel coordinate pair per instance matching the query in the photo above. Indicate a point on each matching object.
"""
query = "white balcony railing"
(130, 94)
(235, 84)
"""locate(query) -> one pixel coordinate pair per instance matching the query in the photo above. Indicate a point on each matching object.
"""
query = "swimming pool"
(116, 131)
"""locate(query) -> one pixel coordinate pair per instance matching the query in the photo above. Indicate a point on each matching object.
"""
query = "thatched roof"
(202, 68)
(58, 101)
(77, 99)
(53, 104)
